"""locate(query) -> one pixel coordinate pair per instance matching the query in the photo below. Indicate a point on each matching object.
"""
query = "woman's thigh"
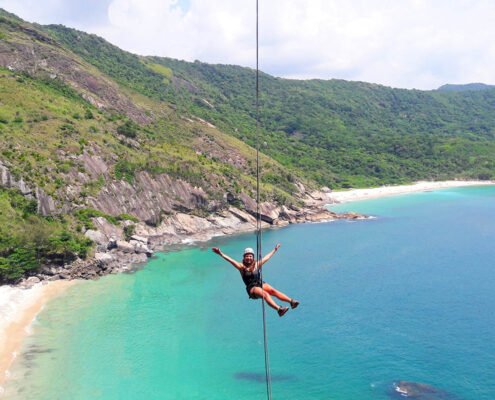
(268, 288)
(257, 291)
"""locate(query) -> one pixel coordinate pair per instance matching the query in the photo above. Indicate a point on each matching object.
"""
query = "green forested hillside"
(349, 133)
(339, 133)
(465, 87)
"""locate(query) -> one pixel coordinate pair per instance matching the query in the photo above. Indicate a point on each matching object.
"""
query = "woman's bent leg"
(274, 292)
(260, 293)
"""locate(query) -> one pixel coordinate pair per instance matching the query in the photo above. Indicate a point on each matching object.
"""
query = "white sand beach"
(18, 309)
(364, 194)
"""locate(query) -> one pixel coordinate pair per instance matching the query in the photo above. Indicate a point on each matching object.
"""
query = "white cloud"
(408, 43)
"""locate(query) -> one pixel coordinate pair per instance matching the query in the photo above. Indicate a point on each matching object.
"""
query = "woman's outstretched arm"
(269, 255)
(236, 264)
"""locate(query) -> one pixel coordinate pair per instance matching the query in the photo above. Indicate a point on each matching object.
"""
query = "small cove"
(406, 296)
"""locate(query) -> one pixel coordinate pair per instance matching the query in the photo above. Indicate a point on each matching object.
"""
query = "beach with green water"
(408, 295)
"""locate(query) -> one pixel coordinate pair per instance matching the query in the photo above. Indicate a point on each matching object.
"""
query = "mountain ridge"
(475, 86)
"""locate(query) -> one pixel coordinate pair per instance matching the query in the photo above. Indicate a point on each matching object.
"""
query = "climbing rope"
(258, 213)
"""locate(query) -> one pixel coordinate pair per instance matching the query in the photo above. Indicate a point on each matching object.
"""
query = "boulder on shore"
(125, 247)
(104, 258)
(30, 282)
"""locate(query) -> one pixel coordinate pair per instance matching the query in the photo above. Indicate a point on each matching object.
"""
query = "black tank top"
(251, 278)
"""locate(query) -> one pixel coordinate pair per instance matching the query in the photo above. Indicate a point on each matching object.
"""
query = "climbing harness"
(258, 214)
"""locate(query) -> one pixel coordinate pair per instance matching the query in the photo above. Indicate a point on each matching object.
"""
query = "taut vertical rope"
(258, 214)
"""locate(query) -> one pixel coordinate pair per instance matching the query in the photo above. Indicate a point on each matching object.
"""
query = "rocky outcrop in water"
(419, 391)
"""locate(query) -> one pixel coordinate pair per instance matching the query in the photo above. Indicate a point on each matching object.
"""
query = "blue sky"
(401, 43)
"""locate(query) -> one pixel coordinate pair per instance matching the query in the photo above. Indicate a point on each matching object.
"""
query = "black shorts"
(252, 285)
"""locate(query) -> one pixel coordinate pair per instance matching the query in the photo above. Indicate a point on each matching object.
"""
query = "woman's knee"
(268, 289)
(261, 293)
(266, 295)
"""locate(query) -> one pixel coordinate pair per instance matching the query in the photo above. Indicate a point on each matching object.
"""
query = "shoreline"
(20, 306)
(21, 303)
(385, 191)
(18, 310)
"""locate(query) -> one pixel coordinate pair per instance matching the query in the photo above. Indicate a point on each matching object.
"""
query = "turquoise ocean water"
(409, 295)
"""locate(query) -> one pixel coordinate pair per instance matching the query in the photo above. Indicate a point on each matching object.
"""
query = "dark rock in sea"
(419, 391)
(261, 378)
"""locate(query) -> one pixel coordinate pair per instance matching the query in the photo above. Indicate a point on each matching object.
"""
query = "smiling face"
(248, 259)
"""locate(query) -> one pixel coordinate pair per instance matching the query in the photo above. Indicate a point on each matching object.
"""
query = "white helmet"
(248, 250)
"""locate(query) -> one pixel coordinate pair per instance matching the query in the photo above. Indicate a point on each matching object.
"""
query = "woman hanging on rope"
(251, 275)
